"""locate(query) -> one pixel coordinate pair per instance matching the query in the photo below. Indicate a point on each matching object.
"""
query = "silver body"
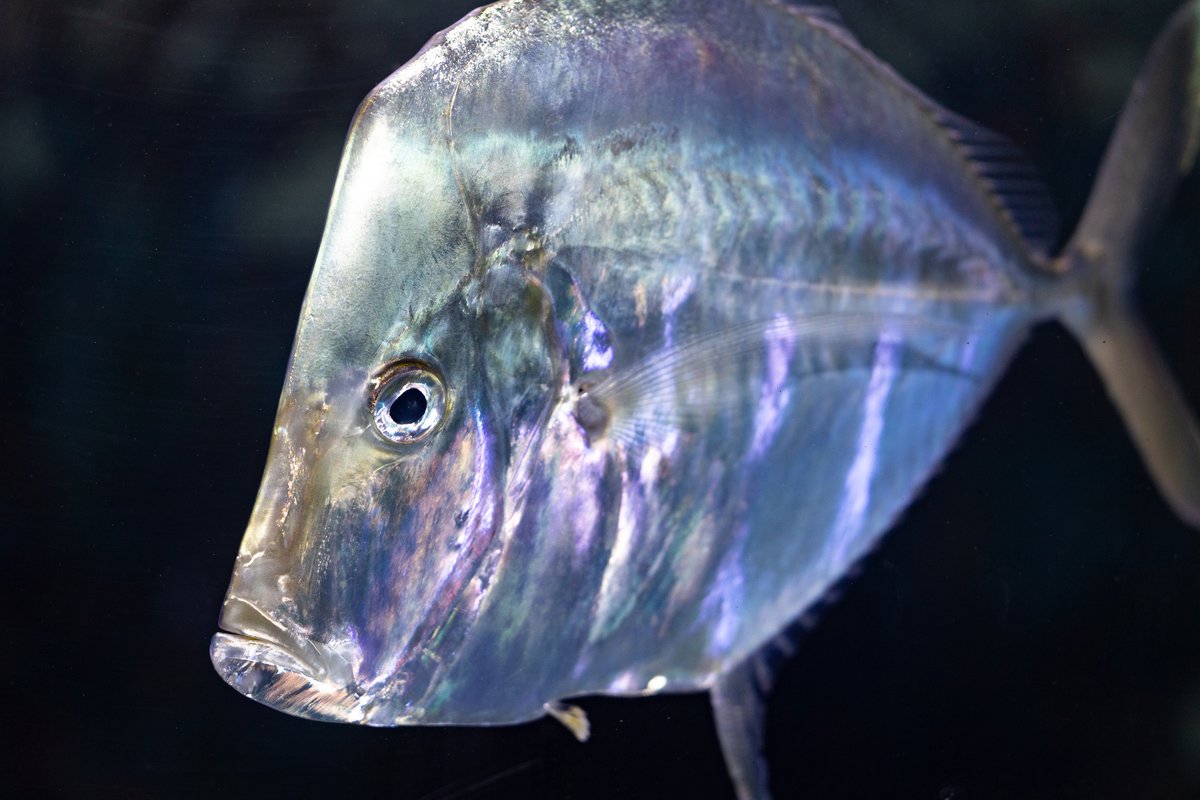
(712, 292)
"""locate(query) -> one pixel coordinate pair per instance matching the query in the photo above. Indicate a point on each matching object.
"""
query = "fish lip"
(245, 619)
(271, 665)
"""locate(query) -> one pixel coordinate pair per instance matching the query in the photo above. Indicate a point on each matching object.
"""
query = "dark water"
(1030, 630)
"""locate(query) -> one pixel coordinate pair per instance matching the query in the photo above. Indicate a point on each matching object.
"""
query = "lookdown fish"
(634, 325)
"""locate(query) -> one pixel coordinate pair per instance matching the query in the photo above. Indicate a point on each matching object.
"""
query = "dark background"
(1031, 629)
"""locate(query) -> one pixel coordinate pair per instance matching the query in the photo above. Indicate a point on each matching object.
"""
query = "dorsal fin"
(1004, 171)
(1009, 176)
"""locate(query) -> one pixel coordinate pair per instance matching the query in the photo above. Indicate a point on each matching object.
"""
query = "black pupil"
(409, 407)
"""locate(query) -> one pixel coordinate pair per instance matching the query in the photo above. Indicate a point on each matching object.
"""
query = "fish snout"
(284, 669)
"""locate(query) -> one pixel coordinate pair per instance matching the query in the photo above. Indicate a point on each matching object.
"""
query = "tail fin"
(1154, 146)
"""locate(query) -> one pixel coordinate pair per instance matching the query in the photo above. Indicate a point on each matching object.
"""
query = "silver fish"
(634, 325)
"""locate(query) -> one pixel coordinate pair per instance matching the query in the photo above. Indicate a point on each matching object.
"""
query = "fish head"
(422, 370)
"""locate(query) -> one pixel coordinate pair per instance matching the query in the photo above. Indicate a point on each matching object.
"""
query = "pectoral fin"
(687, 385)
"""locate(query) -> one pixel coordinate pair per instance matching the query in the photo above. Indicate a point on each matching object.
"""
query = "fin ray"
(1003, 170)
(681, 386)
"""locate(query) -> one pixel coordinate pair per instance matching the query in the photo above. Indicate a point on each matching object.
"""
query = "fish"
(634, 327)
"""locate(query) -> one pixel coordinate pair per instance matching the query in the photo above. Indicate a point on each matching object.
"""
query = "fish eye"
(408, 402)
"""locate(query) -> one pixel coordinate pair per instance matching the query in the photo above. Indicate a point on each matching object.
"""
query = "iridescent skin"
(755, 238)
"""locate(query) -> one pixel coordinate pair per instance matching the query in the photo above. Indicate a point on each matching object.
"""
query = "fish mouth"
(274, 666)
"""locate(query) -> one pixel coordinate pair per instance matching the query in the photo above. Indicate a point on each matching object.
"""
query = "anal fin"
(739, 701)
(739, 708)
(739, 698)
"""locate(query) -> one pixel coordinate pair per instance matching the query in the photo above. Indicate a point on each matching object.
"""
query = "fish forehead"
(397, 240)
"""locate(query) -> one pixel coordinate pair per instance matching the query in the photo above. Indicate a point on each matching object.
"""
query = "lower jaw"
(269, 674)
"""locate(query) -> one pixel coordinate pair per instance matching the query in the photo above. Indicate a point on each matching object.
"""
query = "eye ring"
(408, 402)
